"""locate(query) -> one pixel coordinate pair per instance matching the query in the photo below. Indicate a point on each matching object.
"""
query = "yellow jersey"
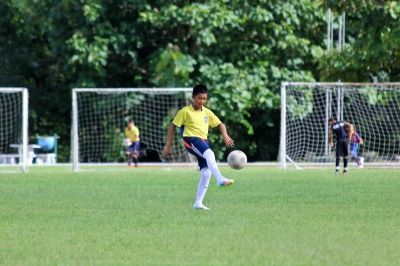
(196, 123)
(132, 133)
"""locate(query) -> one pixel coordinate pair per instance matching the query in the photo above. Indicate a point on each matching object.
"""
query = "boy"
(355, 142)
(341, 130)
(194, 121)
(132, 151)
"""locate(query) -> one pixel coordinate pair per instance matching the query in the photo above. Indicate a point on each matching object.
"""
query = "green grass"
(120, 216)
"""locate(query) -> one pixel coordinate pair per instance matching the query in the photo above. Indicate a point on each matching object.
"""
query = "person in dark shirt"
(342, 131)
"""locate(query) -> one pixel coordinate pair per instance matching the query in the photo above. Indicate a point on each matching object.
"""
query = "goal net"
(13, 129)
(100, 117)
(373, 108)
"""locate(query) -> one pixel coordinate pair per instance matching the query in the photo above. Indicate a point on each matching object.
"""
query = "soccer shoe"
(336, 172)
(361, 162)
(345, 172)
(201, 207)
(225, 183)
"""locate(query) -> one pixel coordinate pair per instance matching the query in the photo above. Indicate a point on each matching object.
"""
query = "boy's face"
(199, 100)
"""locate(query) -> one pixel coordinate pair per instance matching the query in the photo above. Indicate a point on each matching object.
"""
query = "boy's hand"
(166, 151)
(228, 141)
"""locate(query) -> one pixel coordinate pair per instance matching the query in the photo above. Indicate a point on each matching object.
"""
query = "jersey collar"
(201, 109)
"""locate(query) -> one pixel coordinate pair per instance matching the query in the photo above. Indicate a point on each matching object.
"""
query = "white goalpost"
(100, 115)
(14, 128)
(373, 108)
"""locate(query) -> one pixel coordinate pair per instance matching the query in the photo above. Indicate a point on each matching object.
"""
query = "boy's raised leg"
(212, 165)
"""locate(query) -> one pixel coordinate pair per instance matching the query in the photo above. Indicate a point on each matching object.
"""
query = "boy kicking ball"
(194, 121)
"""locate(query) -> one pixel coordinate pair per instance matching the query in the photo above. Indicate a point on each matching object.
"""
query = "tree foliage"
(372, 50)
(241, 49)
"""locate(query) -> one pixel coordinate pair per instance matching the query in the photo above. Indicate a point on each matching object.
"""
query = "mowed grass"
(144, 216)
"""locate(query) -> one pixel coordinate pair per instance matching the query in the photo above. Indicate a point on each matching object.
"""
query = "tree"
(372, 36)
(241, 49)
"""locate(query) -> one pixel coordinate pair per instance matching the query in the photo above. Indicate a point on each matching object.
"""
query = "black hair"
(200, 88)
(331, 120)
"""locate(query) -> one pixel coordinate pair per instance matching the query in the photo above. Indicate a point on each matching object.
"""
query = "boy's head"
(131, 123)
(199, 96)
(331, 121)
(199, 89)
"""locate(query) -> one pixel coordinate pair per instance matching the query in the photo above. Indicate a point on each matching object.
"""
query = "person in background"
(341, 130)
(133, 143)
(355, 142)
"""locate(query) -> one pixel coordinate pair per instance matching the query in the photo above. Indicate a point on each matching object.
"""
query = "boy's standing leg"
(337, 165)
(345, 151)
(205, 176)
(128, 156)
(354, 153)
(136, 152)
(361, 162)
(359, 159)
(208, 165)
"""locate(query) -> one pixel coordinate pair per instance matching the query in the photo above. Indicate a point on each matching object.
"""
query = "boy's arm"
(361, 141)
(350, 129)
(170, 137)
(330, 137)
(228, 141)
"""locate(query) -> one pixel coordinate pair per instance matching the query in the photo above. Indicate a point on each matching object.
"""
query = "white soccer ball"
(237, 159)
(127, 142)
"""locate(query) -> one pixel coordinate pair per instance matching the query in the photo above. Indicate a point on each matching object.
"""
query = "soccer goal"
(14, 129)
(99, 117)
(373, 108)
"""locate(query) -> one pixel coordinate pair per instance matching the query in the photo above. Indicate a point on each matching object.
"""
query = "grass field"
(144, 216)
